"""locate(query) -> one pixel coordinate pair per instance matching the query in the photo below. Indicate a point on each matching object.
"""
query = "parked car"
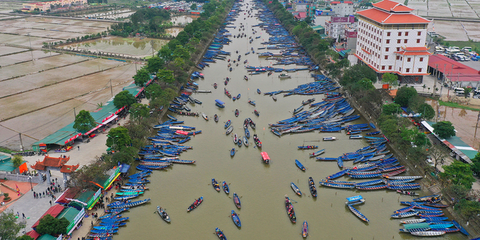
(430, 162)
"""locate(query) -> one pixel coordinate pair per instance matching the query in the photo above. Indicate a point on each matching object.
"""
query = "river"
(262, 187)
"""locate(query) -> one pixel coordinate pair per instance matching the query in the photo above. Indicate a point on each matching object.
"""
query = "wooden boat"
(235, 138)
(355, 200)
(410, 221)
(236, 219)
(131, 204)
(129, 193)
(284, 76)
(290, 210)
(436, 205)
(215, 185)
(334, 185)
(305, 229)
(407, 193)
(215, 118)
(265, 157)
(435, 219)
(227, 124)
(195, 204)
(245, 141)
(297, 110)
(247, 132)
(311, 185)
(226, 189)
(257, 141)
(430, 198)
(163, 214)
(370, 188)
(238, 96)
(299, 165)
(428, 233)
(308, 101)
(329, 138)
(237, 112)
(462, 230)
(252, 102)
(229, 130)
(205, 116)
(317, 153)
(171, 117)
(220, 234)
(295, 189)
(236, 201)
(394, 173)
(258, 91)
(408, 186)
(274, 98)
(404, 215)
(256, 112)
(215, 85)
(232, 152)
(338, 174)
(357, 213)
(403, 177)
(307, 147)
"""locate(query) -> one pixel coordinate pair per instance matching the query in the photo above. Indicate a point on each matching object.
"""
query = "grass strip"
(456, 105)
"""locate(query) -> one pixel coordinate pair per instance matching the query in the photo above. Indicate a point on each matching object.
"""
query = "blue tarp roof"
(125, 168)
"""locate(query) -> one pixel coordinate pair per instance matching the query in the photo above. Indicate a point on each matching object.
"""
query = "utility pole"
(476, 126)
(21, 142)
(153, 50)
(74, 113)
(111, 89)
(31, 50)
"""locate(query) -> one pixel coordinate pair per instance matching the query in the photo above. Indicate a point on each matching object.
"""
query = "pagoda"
(56, 164)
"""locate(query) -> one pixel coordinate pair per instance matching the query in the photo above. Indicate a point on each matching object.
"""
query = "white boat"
(284, 76)
(205, 116)
(329, 138)
(428, 233)
(410, 221)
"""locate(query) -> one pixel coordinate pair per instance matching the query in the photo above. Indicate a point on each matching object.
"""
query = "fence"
(21, 178)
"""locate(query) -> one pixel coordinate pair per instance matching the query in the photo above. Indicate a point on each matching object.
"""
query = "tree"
(438, 154)
(141, 77)
(10, 226)
(126, 156)
(390, 78)
(165, 76)
(444, 129)
(427, 111)
(476, 164)
(467, 91)
(404, 94)
(308, 20)
(154, 64)
(390, 109)
(52, 226)
(468, 208)
(139, 111)
(82, 178)
(193, 6)
(84, 122)
(153, 91)
(358, 72)
(124, 98)
(25, 237)
(17, 161)
(459, 173)
(118, 138)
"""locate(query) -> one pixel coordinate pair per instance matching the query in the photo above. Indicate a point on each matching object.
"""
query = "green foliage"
(404, 94)
(118, 138)
(390, 78)
(124, 98)
(146, 21)
(141, 77)
(24, 237)
(9, 225)
(459, 173)
(354, 74)
(139, 111)
(84, 122)
(390, 109)
(17, 160)
(427, 111)
(413, 135)
(126, 156)
(193, 6)
(476, 164)
(166, 76)
(154, 64)
(83, 177)
(389, 126)
(444, 129)
(52, 226)
(415, 102)
(468, 208)
(459, 191)
(153, 91)
(467, 91)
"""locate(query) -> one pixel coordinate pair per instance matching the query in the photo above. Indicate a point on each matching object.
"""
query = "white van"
(466, 49)
(459, 91)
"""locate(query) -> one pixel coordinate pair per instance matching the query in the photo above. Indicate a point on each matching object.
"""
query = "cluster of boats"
(179, 106)
(110, 222)
(430, 221)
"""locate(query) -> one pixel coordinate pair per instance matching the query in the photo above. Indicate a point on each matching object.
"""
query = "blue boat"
(258, 91)
(227, 124)
(236, 219)
(462, 230)
(220, 234)
(220, 105)
(247, 133)
(232, 152)
(334, 185)
(299, 165)
(296, 189)
(357, 213)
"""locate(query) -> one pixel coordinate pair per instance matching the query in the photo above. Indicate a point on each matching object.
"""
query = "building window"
(420, 70)
(388, 34)
(399, 40)
(418, 40)
(398, 57)
(390, 67)
(383, 67)
(406, 34)
(421, 59)
(398, 49)
(399, 34)
(388, 41)
(409, 59)
(386, 49)
(386, 57)
(405, 41)
(407, 70)
(419, 33)
(399, 69)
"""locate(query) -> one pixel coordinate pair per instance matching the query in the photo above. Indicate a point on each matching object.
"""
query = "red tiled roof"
(69, 193)
(69, 168)
(388, 5)
(33, 234)
(391, 18)
(54, 211)
(410, 49)
(50, 162)
(454, 70)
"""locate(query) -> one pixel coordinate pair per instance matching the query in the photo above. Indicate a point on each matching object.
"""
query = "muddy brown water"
(261, 187)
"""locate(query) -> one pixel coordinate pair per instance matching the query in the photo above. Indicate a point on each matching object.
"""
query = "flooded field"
(138, 47)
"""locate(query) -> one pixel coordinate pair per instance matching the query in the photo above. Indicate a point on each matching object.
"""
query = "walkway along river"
(261, 187)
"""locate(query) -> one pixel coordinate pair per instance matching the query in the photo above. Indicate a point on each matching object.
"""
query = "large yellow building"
(45, 6)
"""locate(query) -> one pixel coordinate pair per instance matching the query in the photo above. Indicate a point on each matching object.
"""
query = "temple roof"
(69, 168)
(50, 162)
